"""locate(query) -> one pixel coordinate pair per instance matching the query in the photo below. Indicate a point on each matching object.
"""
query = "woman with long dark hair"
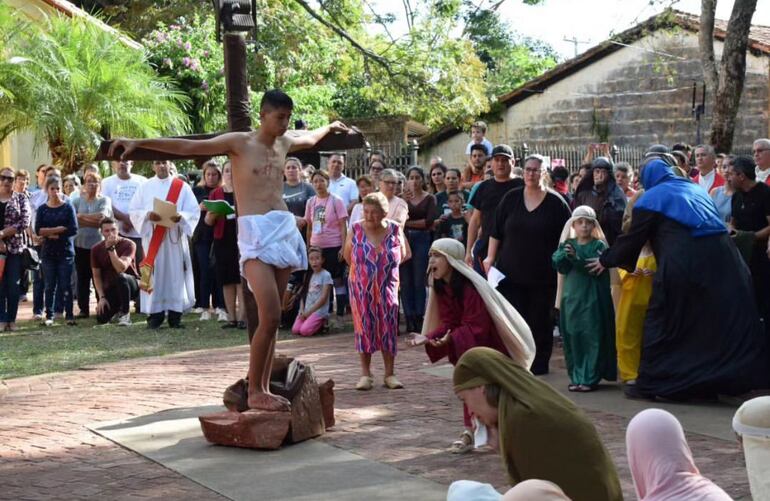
(208, 290)
(327, 218)
(422, 213)
(436, 179)
(14, 220)
(55, 223)
(465, 311)
(225, 249)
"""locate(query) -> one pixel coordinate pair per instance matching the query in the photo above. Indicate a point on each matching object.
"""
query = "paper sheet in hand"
(494, 276)
(166, 210)
(219, 207)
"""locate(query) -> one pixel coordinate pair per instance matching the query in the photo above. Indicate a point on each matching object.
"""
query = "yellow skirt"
(629, 321)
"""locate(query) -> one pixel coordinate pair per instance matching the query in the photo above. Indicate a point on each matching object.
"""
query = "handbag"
(30, 260)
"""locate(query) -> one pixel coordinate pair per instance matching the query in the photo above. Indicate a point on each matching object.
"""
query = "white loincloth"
(273, 238)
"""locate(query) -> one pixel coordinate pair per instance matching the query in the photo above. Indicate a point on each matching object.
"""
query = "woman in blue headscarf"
(702, 334)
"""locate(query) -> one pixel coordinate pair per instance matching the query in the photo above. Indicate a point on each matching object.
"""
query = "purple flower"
(205, 53)
(205, 85)
(187, 45)
(186, 61)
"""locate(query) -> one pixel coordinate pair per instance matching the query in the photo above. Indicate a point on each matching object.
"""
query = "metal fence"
(401, 155)
(398, 155)
(574, 156)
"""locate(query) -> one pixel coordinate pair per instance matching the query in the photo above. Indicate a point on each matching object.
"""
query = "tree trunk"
(706, 43)
(732, 72)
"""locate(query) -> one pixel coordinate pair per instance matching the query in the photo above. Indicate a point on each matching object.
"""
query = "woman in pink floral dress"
(374, 249)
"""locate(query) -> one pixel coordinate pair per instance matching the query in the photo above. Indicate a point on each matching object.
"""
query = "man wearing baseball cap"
(484, 203)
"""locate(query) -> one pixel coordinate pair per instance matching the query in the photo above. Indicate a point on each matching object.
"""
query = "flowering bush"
(188, 52)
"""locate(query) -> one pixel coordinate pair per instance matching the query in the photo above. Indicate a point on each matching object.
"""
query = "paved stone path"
(47, 453)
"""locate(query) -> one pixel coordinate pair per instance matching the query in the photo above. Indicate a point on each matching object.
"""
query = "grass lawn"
(35, 349)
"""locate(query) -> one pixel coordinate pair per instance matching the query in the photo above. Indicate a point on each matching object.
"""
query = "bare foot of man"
(268, 402)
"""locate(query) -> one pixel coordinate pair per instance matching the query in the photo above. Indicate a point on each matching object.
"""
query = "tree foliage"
(73, 84)
(348, 58)
(187, 52)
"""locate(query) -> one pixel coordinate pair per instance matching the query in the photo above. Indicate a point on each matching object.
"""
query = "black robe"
(702, 333)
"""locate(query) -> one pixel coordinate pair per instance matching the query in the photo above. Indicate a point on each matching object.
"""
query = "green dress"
(587, 316)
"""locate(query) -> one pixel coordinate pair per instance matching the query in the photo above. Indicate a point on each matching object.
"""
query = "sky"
(589, 21)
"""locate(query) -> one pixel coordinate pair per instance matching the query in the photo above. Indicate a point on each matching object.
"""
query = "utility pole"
(575, 42)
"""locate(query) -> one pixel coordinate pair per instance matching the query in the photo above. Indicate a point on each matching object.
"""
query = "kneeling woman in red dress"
(465, 311)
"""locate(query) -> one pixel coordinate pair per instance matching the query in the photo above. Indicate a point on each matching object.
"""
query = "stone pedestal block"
(253, 429)
(326, 391)
(307, 420)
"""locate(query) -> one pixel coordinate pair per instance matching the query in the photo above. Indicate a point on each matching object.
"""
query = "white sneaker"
(49, 322)
(205, 316)
(197, 310)
(125, 320)
(222, 316)
(38, 316)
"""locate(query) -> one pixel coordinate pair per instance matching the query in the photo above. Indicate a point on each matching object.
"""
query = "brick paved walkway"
(47, 453)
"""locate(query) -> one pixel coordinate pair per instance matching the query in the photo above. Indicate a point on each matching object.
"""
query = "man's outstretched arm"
(309, 139)
(224, 144)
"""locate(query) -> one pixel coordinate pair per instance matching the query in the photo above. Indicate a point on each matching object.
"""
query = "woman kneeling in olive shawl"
(541, 434)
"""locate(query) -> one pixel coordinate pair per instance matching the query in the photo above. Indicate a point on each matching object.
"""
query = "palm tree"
(73, 84)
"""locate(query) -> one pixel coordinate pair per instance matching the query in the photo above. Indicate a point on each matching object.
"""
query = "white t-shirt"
(314, 290)
(121, 191)
(706, 180)
(345, 188)
(487, 144)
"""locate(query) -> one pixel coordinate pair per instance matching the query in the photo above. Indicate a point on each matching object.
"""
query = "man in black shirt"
(751, 213)
(484, 203)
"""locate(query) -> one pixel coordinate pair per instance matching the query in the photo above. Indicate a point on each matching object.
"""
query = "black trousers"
(119, 296)
(85, 276)
(155, 320)
(138, 258)
(535, 304)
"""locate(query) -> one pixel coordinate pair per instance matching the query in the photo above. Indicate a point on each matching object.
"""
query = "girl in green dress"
(587, 317)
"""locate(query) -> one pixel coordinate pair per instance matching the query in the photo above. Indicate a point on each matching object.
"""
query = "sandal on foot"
(392, 383)
(463, 445)
(366, 383)
(584, 388)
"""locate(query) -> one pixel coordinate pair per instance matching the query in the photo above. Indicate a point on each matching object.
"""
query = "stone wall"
(641, 94)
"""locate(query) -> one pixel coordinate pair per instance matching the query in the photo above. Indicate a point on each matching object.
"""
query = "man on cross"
(270, 245)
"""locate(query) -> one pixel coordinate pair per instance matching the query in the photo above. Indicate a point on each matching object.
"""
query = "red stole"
(147, 266)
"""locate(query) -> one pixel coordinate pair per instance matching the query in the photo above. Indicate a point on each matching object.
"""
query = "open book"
(219, 207)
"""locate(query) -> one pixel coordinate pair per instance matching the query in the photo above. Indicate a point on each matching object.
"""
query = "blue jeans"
(57, 273)
(412, 273)
(10, 288)
(479, 255)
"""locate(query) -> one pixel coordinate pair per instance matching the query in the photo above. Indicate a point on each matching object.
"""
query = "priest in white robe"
(173, 290)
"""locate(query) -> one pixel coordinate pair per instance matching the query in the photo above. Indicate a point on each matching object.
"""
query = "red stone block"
(253, 429)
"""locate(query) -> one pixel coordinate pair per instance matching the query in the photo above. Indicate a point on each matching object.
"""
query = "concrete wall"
(18, 151)
(643, 97)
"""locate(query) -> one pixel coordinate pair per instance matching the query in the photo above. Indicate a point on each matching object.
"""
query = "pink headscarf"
(661, 462)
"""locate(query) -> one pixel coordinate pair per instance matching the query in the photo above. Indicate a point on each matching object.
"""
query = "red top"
(219, 224)
(470, 324)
